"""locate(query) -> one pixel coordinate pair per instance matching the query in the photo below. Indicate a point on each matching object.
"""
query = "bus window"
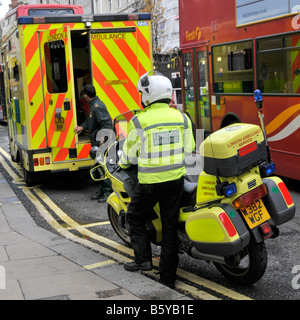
(278, 63)
(189, 85)
(56, 71)
(233, 68)
(49, 12)
(203, 90)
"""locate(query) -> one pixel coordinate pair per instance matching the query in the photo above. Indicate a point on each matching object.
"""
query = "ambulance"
(48, 53)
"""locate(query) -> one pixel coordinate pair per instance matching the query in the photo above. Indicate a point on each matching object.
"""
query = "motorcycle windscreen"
(58, 87)
(116, 68)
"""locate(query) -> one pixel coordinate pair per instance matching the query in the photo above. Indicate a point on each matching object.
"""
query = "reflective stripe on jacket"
(158, 140)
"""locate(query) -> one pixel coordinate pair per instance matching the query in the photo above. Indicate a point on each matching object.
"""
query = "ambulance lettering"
(57, 36)
(109, 36)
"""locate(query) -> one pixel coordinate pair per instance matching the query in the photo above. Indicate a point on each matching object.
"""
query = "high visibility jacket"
(159, 138)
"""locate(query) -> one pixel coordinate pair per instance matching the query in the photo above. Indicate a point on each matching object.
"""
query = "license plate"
(255, 213)
(60, 124)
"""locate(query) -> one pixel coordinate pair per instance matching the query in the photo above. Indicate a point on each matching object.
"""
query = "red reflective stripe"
(31, 49)
(34, 84)
(62, 155)
(115, 66)
(37, 120)
(144, 43)
(43, 144)
(142, 70)
(109, 90)
(227, 224)
(286, 194)
(248, 148)
(85, 152)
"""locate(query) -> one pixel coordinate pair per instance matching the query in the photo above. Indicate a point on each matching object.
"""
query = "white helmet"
(154, 87)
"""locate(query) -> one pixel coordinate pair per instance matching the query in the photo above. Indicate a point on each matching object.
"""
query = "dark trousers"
(168, 195)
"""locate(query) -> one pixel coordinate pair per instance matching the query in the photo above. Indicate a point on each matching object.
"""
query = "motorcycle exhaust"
(203, 256)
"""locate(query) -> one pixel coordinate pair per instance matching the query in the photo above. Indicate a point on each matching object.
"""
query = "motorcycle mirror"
(97, 173)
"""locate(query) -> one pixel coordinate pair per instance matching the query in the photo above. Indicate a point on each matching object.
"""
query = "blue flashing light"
(25, 20)
(145, 16)
(258, 95)
(230, 190)
(269, 169)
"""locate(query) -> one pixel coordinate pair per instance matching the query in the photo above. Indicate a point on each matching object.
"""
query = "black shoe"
(133, 266)
(102, 199)
(96, 196)
(171, 285)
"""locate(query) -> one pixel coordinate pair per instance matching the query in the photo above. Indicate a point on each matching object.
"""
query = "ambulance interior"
(82, 73)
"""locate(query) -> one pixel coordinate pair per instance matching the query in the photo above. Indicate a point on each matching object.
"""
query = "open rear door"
(115, 68)
(58, 87)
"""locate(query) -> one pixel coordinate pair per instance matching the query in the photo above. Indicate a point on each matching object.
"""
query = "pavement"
(36, 264)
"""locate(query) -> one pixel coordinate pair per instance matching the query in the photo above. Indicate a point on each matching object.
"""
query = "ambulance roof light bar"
(79, 18)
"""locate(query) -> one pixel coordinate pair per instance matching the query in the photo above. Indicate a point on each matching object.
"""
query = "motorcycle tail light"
(250, 197)
(265, 230)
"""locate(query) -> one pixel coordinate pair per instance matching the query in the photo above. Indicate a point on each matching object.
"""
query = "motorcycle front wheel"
(246, 267)
(119, 224)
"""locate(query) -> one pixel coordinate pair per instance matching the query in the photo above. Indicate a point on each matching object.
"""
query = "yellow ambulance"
(49, 52)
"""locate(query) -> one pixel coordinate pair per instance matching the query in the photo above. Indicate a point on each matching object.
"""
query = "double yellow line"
(37, 196)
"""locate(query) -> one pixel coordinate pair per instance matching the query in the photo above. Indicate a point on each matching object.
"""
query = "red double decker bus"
(230, 48)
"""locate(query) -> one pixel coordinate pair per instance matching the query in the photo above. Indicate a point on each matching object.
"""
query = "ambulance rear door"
(116, 68)
(58, 87)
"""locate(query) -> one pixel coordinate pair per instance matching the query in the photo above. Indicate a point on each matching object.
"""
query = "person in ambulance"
(98, 120)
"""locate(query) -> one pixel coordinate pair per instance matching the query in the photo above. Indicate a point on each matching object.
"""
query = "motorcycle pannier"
(232, 150)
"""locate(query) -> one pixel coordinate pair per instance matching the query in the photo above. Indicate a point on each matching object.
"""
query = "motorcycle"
(226, 216)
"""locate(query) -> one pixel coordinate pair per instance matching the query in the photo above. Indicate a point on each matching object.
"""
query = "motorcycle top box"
(233, 149)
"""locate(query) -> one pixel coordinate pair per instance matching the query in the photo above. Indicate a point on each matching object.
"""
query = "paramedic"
(98, 120)
(159, 138)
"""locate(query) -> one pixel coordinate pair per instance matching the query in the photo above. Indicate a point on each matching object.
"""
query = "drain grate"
(108, 293)
(60, 297)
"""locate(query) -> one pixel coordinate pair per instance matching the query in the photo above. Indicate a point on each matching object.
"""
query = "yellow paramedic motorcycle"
(226, 216)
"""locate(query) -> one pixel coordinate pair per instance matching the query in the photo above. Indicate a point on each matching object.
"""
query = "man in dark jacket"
(98, 119)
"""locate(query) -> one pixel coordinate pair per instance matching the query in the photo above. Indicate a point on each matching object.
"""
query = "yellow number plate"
(255, 214)
(60, 124)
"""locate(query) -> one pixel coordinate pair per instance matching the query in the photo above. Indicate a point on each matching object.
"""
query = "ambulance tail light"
(36, 162)
(250, 197)
(41, 161)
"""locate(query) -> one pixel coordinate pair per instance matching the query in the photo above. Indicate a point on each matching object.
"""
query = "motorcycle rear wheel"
(248, 266)
(119, 224)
